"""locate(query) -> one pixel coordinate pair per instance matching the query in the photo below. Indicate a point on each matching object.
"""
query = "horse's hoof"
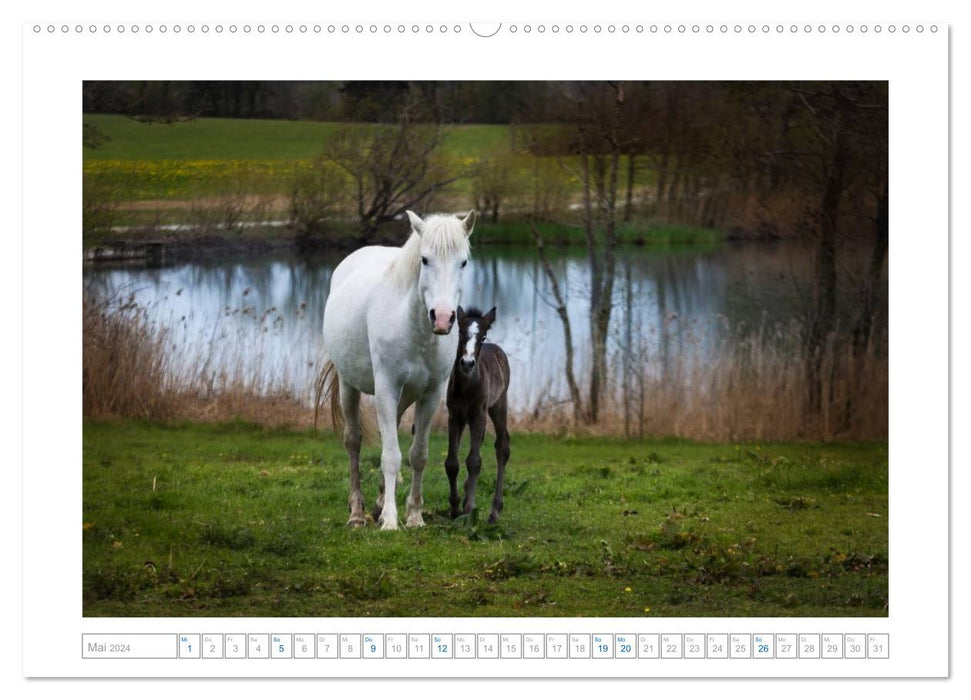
(356, 522)
(389, 524)
(493, 518)
(415, 521)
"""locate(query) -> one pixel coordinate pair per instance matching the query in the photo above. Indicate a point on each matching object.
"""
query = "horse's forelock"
(442, 236)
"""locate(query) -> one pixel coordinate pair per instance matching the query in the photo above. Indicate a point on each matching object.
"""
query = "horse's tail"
(328, 384)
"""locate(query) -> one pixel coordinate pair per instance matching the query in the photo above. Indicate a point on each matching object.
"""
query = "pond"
(259, 321)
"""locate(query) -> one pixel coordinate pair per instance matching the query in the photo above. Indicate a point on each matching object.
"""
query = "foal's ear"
(469, 222)
(416, 223)
(490, 317)
(461, 314)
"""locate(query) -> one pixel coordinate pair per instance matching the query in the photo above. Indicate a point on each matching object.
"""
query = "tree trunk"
(628, 345)
(602, 282)
(861, 335)
(662, 180)
(864, 324)
(561, 311)
(629, 199)
(595, 290)
(824, 320)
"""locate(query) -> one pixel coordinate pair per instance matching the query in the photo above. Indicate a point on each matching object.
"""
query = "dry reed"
(123, 362)
(134, 366)
(754, 386)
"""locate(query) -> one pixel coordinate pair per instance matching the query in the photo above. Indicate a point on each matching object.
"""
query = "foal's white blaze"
(470, 345)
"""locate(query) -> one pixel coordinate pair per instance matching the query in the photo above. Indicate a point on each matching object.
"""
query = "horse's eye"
(464, 263)
(424, 260)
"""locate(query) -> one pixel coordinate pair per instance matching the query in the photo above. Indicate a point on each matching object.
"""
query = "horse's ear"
(416, 223)
(469, 222)
(490, 317)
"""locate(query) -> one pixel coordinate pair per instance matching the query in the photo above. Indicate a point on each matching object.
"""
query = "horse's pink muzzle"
(442, 320)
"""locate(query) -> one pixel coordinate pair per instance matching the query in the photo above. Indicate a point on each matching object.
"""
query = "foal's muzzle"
(442, 321)
(467, 364)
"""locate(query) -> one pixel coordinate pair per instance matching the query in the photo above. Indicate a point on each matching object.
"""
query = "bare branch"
(564, 319)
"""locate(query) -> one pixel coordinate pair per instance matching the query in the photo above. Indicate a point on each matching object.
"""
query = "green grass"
(249, 139)
(191, 519)
(213, 157)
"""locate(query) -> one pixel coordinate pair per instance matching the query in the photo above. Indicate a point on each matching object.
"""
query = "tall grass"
(124, 362)
(754, 386)
(136, 366)
(759, 388)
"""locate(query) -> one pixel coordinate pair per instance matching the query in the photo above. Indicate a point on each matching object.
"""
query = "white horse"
(387, 330)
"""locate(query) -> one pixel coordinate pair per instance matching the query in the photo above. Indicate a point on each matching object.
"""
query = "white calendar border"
(918, 595)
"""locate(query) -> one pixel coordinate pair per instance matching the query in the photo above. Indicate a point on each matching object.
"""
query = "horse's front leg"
(379, 503)
(456, 425)
(418, 455)
(473, 462)
(386, 400)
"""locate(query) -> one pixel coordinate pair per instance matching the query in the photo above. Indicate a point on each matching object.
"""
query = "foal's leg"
(386, 399)
(455, 427)
(498, 415)
(418, 455)
(473, 462)
(350, 407)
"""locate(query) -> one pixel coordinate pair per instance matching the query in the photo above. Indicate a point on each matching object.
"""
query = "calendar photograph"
(485, 348)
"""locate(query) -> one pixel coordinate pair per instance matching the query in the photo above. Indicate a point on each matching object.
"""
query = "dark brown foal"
(478, 385)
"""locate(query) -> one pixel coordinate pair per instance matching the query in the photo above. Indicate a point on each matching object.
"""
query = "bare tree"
(596, 144)
(493, 185)
(318, 193)
(600, 119)
(838, 137)
(391, 167)
(578, 412)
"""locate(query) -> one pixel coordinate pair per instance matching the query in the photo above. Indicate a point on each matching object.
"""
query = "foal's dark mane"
(474, 313)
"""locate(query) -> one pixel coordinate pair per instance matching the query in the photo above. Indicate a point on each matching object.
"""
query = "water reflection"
(260, 320)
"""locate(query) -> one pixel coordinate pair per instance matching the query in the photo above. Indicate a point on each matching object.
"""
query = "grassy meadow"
(212, 173)
(203, 157)
(235, 519)
(250, 139)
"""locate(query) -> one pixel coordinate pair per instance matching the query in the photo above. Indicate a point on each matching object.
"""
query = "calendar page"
(470, 344)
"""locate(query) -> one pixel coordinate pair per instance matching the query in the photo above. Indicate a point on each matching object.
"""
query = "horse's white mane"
(442, 234)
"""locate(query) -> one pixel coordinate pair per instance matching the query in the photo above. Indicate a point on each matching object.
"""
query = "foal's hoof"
(356, 521)
(415, 520)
